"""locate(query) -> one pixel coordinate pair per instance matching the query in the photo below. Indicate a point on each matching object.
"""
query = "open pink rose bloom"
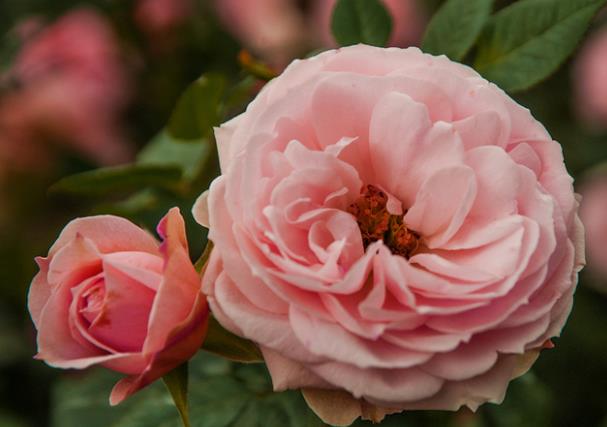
(394, 231)
(109, 294)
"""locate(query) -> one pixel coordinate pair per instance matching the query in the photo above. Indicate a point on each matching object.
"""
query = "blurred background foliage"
(162, 53)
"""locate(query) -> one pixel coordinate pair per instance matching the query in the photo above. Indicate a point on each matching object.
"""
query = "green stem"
(176, 382)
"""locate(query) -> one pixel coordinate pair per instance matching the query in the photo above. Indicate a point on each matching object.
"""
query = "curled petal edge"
(339, 408)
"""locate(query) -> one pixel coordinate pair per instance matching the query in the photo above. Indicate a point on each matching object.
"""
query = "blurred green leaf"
(142, 201)
(528, 403)
(7, 420)
(361, 21)
(164, 150)
(240, 94)
(177, 383)
(527, 41)
(455, 27)
(198, 109)
(11, 340)
(222, 394)
(9, 46)
(118, 179)
(224, 343)
(79, 400)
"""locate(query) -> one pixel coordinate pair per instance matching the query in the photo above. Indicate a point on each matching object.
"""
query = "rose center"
(376, 223)
(92, 302)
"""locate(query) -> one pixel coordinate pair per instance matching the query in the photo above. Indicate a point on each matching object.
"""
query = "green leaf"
(240, 94)
(83, 400)
(146, 200)
(118, 179)
(224, 343)
(455, 27)
(528, 403)
(164, 150)
(526, 42)
(221, 394)
(198, 109)
(10, 45)
(177, 383)
(361, 21)
(7, 420)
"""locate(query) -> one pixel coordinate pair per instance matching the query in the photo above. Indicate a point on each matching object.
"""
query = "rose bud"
(394, 231)
(109, 294)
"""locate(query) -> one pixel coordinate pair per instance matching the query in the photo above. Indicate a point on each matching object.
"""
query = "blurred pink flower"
(278, 30)
(593, 211)
(273, 29)
(590, 81)
(69, 86)
(158, 17)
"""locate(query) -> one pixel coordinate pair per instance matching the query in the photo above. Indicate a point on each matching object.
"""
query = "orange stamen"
(376, 223)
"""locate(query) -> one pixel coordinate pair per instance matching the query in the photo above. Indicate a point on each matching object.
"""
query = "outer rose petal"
(186, 341)
(338, 408)
(39, 292)
(200, 210)
(110, 234)
(178, 320)
(225, 142)
(179, 295)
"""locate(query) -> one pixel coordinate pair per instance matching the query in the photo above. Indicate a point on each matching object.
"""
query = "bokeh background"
(90, 84)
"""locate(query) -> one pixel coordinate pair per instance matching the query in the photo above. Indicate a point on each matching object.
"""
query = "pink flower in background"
(279, 30)
(273, 29)
(159, 17)
(590, 80)
(593, 211)
(70, 87)
(394, 231)
(408, 22)
(109, 294)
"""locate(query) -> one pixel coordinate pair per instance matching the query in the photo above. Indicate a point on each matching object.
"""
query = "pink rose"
(71, 87)
(593, 211)
(109, 294)
(393, 230)
(590, 80)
